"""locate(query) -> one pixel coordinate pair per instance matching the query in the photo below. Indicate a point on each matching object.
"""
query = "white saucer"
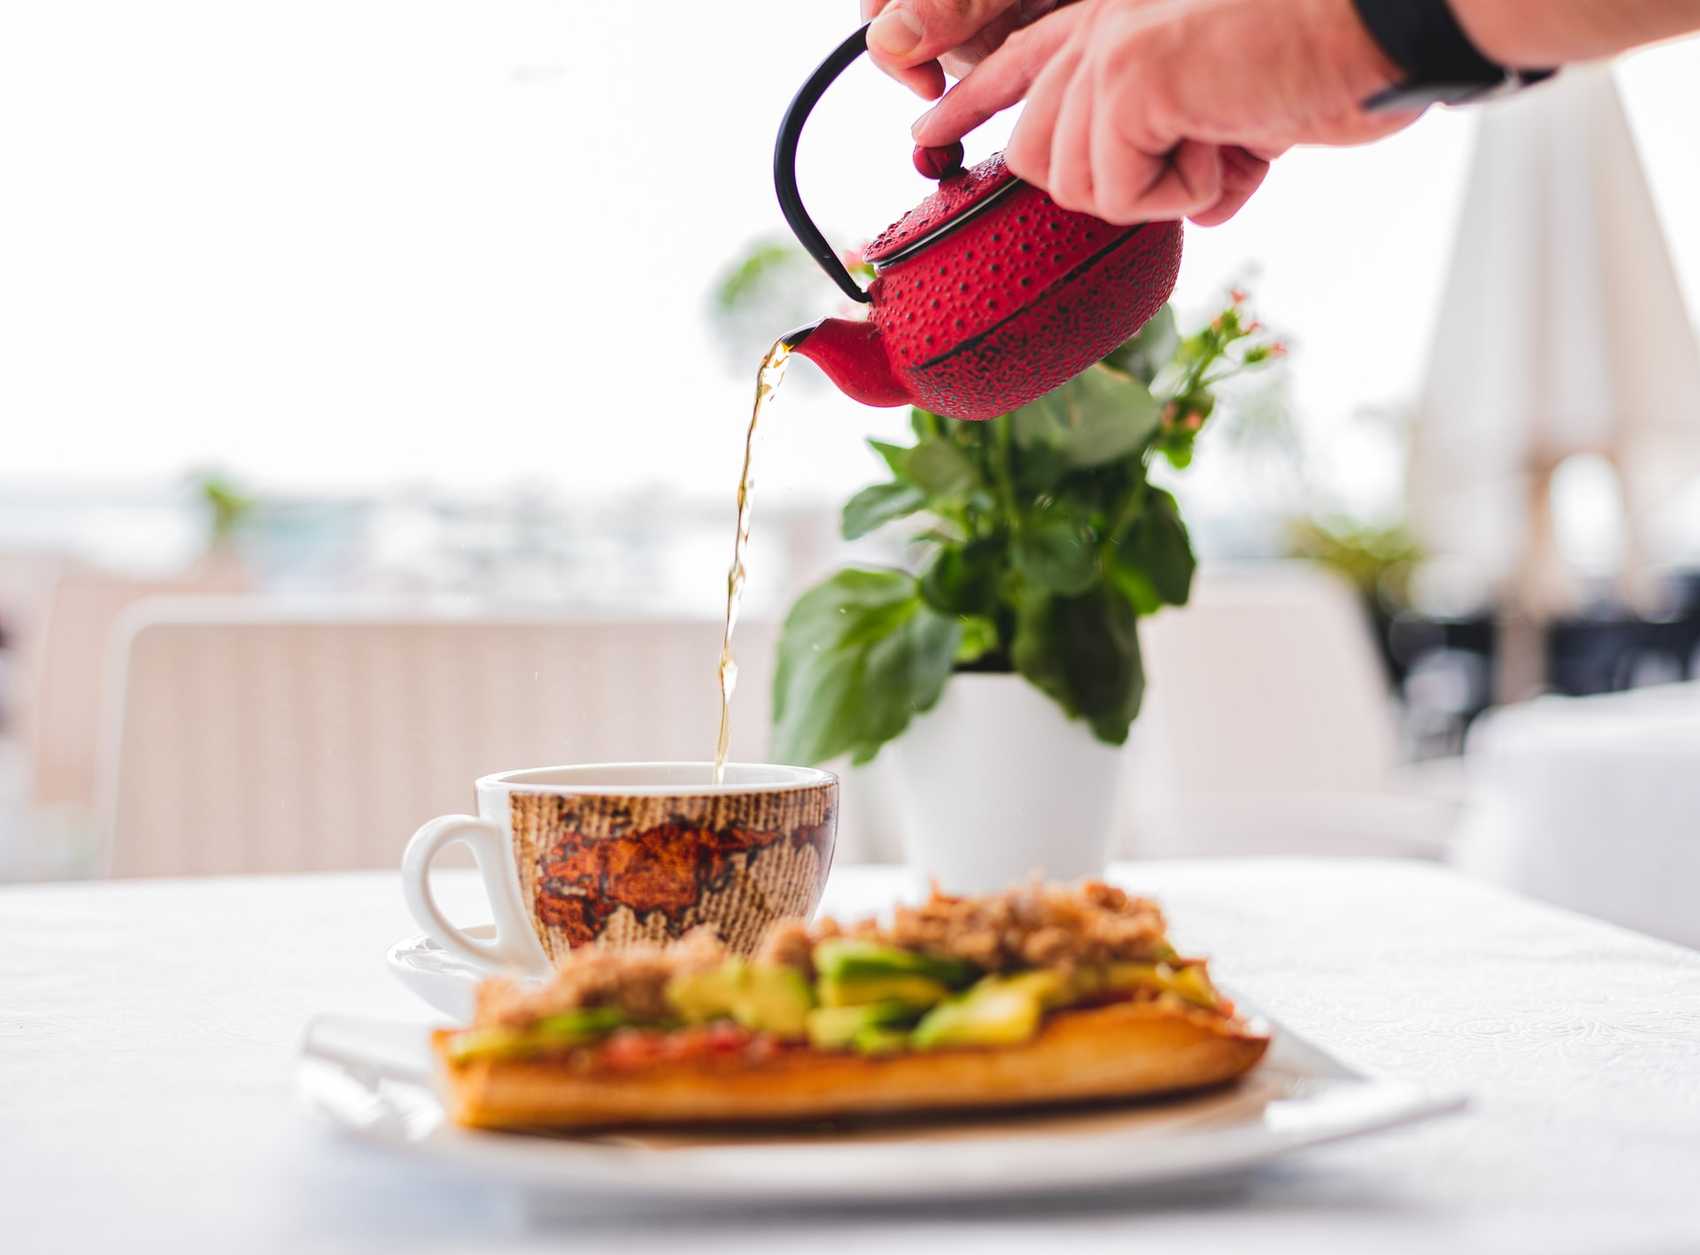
(447, 983)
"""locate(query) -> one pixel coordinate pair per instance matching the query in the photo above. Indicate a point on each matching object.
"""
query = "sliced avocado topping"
(554, 1032)
(912, 991)
(706, 995)
(489, 1043)
(872, 998)
(874, 1040)
(855, 972)
(1189, 982)
(853, 958)
(763, 997)
(837, 1028)
(998, 1011)
(775, 999)
(574, 1028)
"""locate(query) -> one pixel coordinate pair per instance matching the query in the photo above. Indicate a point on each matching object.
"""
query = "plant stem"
(1127, 509)
(1003, 470)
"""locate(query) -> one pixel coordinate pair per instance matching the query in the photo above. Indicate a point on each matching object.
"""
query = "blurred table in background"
(1593, 803)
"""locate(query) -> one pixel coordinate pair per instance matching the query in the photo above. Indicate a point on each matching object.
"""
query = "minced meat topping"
(1034, 925)
(634, 980)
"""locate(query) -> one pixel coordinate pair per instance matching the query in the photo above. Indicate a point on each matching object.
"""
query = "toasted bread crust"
(1123, 1050)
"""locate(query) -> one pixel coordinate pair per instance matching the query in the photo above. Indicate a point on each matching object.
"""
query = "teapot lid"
(956, 196)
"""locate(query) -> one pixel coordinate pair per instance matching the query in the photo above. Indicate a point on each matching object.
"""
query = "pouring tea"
(987, 294)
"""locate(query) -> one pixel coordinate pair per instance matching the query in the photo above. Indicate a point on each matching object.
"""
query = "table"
(147, 1032)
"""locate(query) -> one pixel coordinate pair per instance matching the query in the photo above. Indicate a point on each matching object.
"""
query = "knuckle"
(1021, 45)
(1121, 209)
(1073, 196)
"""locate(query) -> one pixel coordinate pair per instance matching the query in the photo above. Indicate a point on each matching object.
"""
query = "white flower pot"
(996, 784)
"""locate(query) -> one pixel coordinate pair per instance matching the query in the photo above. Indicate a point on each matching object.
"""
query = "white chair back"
(67, 678)
(250, 740)
(1269, 725)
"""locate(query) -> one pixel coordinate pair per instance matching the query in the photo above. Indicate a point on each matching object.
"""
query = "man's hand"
(917, 41)
(1142, 109)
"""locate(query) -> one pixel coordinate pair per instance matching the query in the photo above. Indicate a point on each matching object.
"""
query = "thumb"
(912, 32)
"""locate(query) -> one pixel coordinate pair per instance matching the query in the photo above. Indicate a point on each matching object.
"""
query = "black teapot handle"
(785, 163)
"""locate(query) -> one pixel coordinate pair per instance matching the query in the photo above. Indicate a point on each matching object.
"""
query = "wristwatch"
(1441, 65)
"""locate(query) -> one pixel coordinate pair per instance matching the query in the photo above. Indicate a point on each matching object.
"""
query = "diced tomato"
(632, 1048)
(724, 1037)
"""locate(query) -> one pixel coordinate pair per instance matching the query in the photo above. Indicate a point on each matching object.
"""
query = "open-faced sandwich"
(1043, 994)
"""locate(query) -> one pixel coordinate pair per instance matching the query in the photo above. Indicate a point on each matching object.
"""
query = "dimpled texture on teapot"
(952, 197)
(1085, 313)
(970, 280)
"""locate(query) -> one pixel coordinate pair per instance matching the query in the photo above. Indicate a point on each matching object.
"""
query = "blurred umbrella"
(1562, 331)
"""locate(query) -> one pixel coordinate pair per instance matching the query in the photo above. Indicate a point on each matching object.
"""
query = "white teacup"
(621, 853)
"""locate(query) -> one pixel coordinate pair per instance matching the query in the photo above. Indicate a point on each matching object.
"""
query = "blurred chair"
(67, 672)
(247, 739)
(27, 578)
(1593, 803)
(1269, 726)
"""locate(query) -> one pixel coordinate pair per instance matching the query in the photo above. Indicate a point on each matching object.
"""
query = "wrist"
(1439, 61)
(1362, 65)
(1529, 33)
(1502, 29)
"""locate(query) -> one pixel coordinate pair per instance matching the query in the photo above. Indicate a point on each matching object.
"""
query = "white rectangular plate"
(375, 1079)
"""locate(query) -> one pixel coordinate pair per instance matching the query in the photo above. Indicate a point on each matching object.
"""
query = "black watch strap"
(1424, 39)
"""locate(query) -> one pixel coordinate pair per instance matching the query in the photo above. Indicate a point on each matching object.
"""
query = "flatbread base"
(1123, 1050)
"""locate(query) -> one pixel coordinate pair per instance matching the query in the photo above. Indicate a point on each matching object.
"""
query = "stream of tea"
(772, 370)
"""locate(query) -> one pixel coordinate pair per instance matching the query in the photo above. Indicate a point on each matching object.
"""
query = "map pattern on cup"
(622, 870)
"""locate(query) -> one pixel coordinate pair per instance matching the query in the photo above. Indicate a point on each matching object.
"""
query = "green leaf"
(748, 276)
(963, 579)
(895, 456)
(1057, 555)
(1154, 563)
(1098, 417)
(924, 423)
(979, 638)
(941, 469)
(1038, 469)
(859, 656)
(877, 505)
(1084, 652)
(1151, 348)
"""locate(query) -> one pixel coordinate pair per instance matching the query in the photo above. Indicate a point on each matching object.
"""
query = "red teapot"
(987, 294)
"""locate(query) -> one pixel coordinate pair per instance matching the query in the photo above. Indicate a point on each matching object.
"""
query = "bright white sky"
(340, 244)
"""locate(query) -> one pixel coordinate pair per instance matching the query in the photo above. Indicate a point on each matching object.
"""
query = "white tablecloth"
(147, 1032)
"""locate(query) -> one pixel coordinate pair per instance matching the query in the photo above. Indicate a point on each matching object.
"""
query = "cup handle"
(514, 946)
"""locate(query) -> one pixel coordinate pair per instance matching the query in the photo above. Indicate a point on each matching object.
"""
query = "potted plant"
(1003, 663)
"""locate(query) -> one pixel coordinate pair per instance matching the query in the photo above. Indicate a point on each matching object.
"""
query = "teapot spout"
(853, 357)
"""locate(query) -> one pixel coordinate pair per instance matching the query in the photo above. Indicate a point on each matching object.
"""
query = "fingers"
(1071, 175)
(1188, 182)
(1243, 173)
(999, 81)
(1029, 149)
(910, 35)
(1123, 173)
